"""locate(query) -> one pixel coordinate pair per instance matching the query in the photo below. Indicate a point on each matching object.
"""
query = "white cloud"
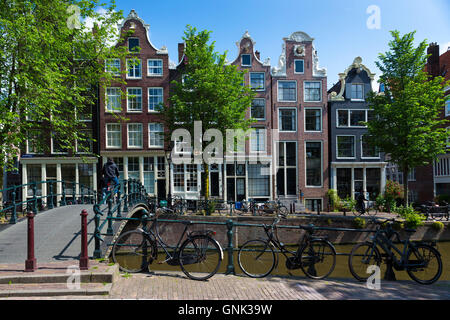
(443, 47)
(89, 24)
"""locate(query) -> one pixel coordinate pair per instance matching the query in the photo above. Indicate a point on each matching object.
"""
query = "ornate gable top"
(299, 36)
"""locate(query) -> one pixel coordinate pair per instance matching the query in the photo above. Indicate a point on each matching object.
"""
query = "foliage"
(335, 200)
(406, 120)
(348, 204)
(359, 223)
(437, 225)
(413, 219)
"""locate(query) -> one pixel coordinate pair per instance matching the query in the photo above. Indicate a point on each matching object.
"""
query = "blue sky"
(339, 27)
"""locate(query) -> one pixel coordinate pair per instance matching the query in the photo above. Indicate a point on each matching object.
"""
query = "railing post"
(97, 251)
(129, 192)
(30, 263)
(13, 219)
(109, 230)
(63, 200)
(50, 203)
(34, 198)
(82, 194)
(125, 197)
(74, 194)
(230, 266)
(84, 259)
(119, 205)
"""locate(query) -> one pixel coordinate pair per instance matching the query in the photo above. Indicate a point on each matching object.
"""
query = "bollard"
(318, 209)
(30, 263)
(97, 236)
(13, 219)
(84, 259)
(50, 203)
(230, 266)
(389, 275)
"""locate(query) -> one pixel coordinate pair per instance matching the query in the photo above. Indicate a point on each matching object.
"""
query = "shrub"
(437, 225)
(359, 223)
(348, 204)
(335, 201)
(413, 219)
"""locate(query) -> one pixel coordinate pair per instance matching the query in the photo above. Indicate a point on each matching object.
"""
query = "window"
(357, 92)
(287, 169)
(133, 44)
(155, 67)
(313, 119)
(113, 99)
(156, 135)
(134, 68)
(113, 135)
(287, 91)
(85, 146)
(258, 110)
(246, 60)
(34, 142)
(258, 140)
(134, 99)
(155, 98)
(133, 168)
(135, 135)
(299, 66)
(368, 151)
(345, 146)
(258, 180)
(353, 118)
(313, 164)
(257, 81)
(57, 144)
(357, 117)
(113, 66)
(447, 106)
(342, 118)
(287, 119)
(84, 113)
(313, 91)
(149, 174)
(412, 175)
(313, 204)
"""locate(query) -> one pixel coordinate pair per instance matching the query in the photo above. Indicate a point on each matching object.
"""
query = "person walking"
(360, 204)
(110, 173)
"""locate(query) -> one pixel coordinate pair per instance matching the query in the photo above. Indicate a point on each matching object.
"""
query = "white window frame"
(362, 151)
(142, 103)
(354, 146)
(278, 91)
(321, 164)
(259, 119)
(304, 91)
(349, 117)
(304, 119)
(447, 106)
(51, 146)
(284, 167)
(114, 73)
(91, 142)
(246, 65)
(149, 135)
(362, 91)
(120, 136)
(149, 74)
(148, 98)
(295, 119)
(303, 60)
(253, 135)
(134, 76)
(264, 81)
(28, 146)
(141, 135)
(120, 100)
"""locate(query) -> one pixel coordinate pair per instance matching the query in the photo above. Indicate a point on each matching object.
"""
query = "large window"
(154, 67)
(185, 177)
(345, 146)
(113, 135)
(313, 91)
(149, 174)
(155, 98)
(135, 135)
(287, 119)
(113, 66)
(353, 117)
(113, 99)
(134, 99)
(134, 67)
(257, 81)
(258, 140)
(133, 168)
(313, 164)
(35, 142)
(58, 144)
(287, 91)
(357, 92)
(368, 151)
(133, 44)
(313, 119)
(258, 110)
(287, 169)
(156, 135)
(258, 180)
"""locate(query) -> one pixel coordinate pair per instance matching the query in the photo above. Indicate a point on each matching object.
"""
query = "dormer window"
(357, 92)
(133, 44)
(246, 60)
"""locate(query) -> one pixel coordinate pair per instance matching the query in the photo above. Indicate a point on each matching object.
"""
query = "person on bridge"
(110, 172)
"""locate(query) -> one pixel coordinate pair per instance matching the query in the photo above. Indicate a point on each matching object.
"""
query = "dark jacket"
(110, 170)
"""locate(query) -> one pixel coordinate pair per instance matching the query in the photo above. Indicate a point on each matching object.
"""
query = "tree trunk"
(405, 189)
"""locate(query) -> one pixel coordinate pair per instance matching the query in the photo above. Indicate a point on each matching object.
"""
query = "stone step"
(54, 289)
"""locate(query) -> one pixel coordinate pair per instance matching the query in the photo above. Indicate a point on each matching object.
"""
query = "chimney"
(433, 59)
(180, 51)
(257, 54)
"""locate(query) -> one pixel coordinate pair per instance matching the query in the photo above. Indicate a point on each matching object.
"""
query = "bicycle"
(249, 206)
(371, 209)
(315, 256)
(271, 207)
(199, 255)
(415, 258)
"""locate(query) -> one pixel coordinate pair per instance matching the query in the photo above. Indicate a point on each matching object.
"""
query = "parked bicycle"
(371, 209)
(421, 261)
(272, 207)
(244, 207)
(199, 255)
(315, 256)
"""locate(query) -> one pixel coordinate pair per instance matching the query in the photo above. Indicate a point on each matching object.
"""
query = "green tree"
(209, 90)
(406, 123)
(51, 65)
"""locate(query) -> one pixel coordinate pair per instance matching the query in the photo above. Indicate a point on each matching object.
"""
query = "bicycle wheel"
(200, 257)
(256, 258)
(372, 210)
(282, 210)
(429, 261)
(318, 259)
(133, 251)
(361, 257)
(356, 210)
